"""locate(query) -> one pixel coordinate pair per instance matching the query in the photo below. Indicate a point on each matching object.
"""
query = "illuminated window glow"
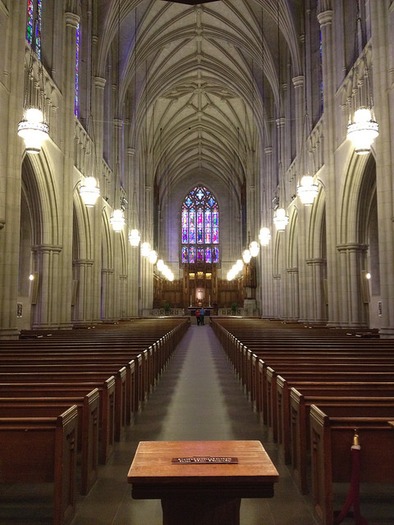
(77, 51)
(33, 25)
(200, 227)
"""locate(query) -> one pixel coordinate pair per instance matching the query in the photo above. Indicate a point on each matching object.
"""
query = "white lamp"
(280, 219)
(363, 130)
(254, 248)
(33, 130)
(117, 220)
(307, 190)
(89, 192)
(246, 256)
(264, 236)
(134, 237)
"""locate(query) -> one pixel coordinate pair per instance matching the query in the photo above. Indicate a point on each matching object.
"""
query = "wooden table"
(197, 481)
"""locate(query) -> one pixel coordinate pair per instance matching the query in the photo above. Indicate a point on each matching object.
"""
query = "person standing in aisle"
(198, 316)
(202, 314)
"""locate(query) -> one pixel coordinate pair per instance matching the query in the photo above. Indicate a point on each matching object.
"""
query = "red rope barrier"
(353, 496)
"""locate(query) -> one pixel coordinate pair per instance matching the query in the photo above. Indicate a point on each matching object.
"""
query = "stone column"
(292, 303)
(266, 252)
(83, 284)
(11, 104)
(64, 287)
(123, 310)
(325, 18)
(353, 310)
(47, 267)
(382, 16)
(316, 308)
(97, 222)
(107, 294)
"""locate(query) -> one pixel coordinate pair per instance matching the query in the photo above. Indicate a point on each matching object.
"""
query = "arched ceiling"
(199, 84)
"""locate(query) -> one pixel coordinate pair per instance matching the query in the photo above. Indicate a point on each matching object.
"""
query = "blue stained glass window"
(77, 52)
(30, 21)
(33, 25)
(200, 225)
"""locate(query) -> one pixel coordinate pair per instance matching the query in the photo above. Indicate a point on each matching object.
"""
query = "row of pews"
(67, 396)
(318, 390)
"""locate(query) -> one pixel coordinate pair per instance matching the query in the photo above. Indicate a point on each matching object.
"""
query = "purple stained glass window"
(33, 25)
(30, 21)
(77, 52)
(200, 225)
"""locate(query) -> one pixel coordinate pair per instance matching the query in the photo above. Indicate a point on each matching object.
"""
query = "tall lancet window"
(33, 25)
(77, 53)
(200, 227)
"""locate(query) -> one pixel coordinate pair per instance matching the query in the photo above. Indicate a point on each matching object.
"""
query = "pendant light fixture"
(362, 128)
(89, 192)
(33, 128)
(264, 236)
(281, 220)
(117, 220)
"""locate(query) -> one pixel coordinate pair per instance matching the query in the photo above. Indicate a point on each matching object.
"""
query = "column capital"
(83, 262)
(100, 82)
(325, 18)
(72, 20)
(352, 247)
(47, 248)
(298, 81)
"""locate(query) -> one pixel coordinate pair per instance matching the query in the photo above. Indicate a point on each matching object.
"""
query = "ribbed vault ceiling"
(199, 83)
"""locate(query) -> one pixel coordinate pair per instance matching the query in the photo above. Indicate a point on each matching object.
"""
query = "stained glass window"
(200, 227)
(33, 25)
(77, 51)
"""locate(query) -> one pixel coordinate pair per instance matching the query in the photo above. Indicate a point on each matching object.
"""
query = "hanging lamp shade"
(254, 248)
(117, 220)
(145, 249)
(33, 130)
(307, 190)
(89, 191)
(264, 236)
(134, 237)
(363, 130)
(152, 257)
(280, 219)
(246, 256)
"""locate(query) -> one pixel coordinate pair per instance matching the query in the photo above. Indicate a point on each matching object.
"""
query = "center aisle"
(197, 398)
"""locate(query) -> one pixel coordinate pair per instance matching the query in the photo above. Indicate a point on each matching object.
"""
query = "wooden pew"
(106, 390)
(256, 364)
(90, 360)
(38, 450)
(331, 440)
(88, 419)
(339, 373)
(346, 400)
(46, 374)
